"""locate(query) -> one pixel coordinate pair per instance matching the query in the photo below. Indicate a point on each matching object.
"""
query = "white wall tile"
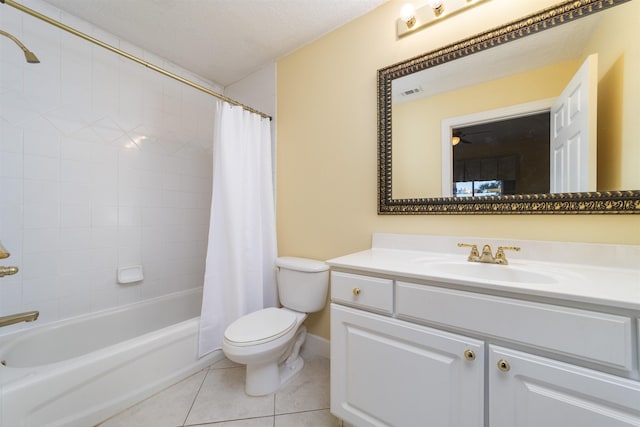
(38, 215)
(39, 289)
(11, 138)
(75, 238)
(41, 239)
(10, 293)
(41, 168)
(39, 265)
(11, 165)
(75, 215)
(41, 191)
(103, 162)
(44, 142)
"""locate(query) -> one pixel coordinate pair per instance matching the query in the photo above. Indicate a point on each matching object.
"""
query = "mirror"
(411, 174)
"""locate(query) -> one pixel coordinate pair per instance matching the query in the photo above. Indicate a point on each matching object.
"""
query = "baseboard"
(316, 346)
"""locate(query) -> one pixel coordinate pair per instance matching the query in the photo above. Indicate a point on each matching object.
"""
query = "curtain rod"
(128, 56)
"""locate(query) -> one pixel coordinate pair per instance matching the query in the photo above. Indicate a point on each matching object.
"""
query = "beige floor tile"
(168, 408)
(222, 398)
(307, 391)
(321, 418)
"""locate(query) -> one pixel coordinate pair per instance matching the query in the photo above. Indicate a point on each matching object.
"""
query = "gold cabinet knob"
(469, 355)
(503, 365)
(356, 291)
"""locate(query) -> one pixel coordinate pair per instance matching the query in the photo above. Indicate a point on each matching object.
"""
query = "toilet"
(268, 341)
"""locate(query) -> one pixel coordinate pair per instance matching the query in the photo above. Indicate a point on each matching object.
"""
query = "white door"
(386, 372)
(573, 132)
(531, 391)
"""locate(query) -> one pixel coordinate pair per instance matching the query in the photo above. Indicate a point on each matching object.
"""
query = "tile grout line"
(184, 422)
(273, 420)
(212, 423)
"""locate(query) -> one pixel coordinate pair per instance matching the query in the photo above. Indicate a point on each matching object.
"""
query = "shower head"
(29, 56)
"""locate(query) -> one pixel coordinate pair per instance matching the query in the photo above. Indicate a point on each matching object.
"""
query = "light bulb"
(407, 14)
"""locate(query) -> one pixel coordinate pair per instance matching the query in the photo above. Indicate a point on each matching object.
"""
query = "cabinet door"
(526, 390)
(386, 372)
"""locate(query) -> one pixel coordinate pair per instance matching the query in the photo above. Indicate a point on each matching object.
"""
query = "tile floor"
(216, 397)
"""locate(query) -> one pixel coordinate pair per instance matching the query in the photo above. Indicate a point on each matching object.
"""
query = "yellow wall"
(327, 145)
(615, 39)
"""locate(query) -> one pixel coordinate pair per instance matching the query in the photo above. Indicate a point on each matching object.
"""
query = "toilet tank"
(302, 283)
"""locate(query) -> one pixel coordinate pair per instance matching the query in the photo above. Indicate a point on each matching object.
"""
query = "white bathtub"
(80, 371)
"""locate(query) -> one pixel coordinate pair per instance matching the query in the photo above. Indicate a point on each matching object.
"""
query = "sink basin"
(489, 272)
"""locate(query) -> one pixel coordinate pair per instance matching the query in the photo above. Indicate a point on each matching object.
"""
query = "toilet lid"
(260, 326)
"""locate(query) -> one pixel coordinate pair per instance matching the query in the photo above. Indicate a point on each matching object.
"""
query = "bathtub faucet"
(28, 316)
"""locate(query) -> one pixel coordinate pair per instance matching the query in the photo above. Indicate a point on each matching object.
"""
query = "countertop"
(593, 284)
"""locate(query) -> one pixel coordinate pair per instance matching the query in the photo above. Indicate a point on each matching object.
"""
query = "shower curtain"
(240, 264)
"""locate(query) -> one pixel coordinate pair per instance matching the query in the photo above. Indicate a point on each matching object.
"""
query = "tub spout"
(28, 316)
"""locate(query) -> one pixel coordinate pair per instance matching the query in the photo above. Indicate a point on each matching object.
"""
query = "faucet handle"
(501, 258)
(8, 271)
(474, 254)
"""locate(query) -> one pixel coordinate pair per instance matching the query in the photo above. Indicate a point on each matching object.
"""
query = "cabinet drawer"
(591, 336)
(370, 293)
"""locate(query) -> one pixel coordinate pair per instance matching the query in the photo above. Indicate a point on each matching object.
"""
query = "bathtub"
(80, 371)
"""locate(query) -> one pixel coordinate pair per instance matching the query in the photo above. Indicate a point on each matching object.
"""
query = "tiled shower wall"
(103, 163)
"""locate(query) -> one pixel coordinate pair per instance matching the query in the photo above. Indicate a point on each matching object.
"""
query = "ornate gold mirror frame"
(610, 202)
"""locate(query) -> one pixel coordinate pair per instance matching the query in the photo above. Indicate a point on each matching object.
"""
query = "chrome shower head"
(29, 56)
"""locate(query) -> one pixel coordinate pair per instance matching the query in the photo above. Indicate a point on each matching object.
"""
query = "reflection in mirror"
(512, 154)
(423, 94)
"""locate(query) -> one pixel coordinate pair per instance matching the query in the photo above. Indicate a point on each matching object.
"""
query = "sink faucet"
(487, 256)
(28, 316)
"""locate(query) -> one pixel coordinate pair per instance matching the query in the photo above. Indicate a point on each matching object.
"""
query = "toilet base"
(268, 378)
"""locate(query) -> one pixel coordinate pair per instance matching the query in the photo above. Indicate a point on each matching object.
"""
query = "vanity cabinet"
(414, 353)
(526, 390)
(386, 372)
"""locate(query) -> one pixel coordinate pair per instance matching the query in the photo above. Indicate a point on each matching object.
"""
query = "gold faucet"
(28, 316)
(474, 255)
(8, 271)
(487, 256)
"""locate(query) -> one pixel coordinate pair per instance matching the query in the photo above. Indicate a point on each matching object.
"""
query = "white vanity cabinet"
(406, 352)
(388, 372)
(526, 390)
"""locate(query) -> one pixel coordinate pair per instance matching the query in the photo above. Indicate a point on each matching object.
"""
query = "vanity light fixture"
(437, 6)
(412, 19)
(408, 15)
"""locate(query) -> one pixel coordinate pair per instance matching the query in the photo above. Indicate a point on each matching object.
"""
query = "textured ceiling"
(221, 40)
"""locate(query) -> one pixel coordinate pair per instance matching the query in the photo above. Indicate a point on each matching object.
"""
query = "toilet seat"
(260, 327)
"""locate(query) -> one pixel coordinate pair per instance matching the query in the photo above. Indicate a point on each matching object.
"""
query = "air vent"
(411, 91)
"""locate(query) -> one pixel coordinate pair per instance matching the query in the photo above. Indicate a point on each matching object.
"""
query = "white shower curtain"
(240, 265)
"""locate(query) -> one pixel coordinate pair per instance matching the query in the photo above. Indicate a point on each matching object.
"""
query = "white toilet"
(268, 341)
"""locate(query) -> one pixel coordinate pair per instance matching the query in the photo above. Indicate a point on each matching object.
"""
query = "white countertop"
(576, 282)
